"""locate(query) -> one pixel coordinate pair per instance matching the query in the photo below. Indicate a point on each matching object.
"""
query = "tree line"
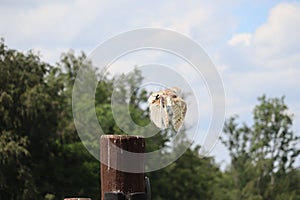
(42, 157)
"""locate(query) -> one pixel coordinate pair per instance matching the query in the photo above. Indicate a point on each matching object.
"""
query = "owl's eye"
(157, 96)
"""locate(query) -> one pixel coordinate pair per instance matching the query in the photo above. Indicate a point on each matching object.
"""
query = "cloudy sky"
(255, 45)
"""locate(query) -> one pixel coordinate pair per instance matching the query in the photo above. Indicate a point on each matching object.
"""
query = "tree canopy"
(263, 155)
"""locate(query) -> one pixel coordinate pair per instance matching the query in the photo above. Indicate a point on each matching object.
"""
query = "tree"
(79, 169)
(263, 154)
(40, 152)
(190, 177)
(237, 142)
(29, 107)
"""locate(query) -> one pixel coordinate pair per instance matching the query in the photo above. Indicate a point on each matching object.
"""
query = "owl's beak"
(154, 100)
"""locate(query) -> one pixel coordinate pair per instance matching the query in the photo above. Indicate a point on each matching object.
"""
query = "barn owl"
(158, 103)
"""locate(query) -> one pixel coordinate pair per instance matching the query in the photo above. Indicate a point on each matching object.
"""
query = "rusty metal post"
(115, 181)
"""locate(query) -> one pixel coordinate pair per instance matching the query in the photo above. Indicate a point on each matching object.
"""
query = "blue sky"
(254, 44)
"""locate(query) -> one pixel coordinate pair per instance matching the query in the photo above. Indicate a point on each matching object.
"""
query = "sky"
(255, 45)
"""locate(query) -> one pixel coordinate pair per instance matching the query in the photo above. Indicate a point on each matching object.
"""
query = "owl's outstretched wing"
(179, 108)
(158, 114)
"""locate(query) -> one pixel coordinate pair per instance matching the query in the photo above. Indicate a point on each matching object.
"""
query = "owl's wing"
(179, 110)
(158, 115)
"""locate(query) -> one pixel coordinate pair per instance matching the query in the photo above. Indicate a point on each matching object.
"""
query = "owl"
(158, 103)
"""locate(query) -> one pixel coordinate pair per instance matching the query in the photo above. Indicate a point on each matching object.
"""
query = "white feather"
(156, 115)
(164, 112)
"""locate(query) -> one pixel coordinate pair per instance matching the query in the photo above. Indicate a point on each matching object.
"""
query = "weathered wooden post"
(117, 184)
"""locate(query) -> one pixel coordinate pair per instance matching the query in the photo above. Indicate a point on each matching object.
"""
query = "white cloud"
(265, 61)
(279, 35)
(57, 22)
(204, 21)
(240, 39)
(73, 24)
(273, 44)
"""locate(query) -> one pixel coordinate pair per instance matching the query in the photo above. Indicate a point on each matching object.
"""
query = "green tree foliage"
(262, 156)
(15, 176)
(80, 170)
(39, 146)
(190, 177)
(29, 116)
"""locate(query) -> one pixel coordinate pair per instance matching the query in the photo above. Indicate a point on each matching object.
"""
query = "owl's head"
(154, 97)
